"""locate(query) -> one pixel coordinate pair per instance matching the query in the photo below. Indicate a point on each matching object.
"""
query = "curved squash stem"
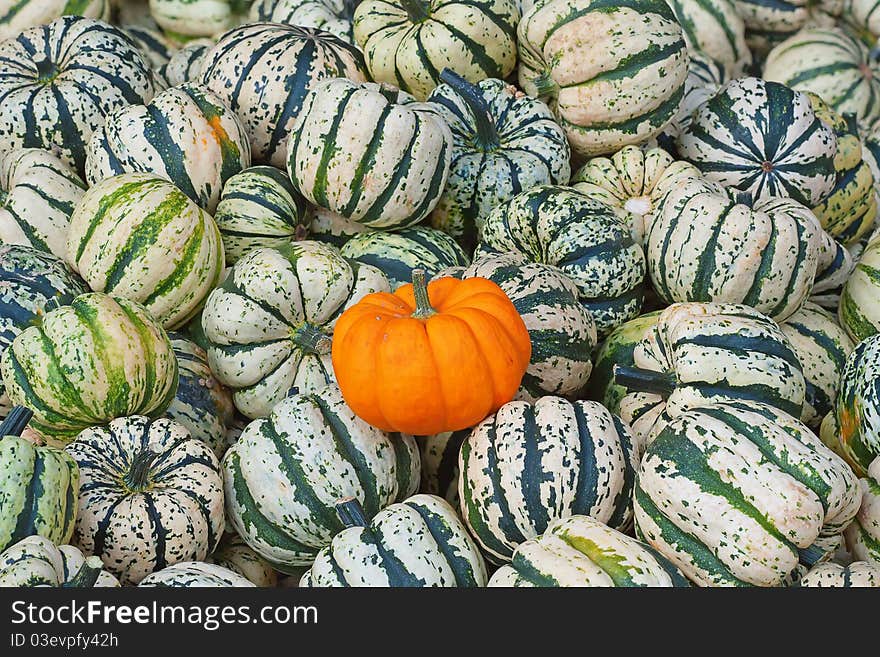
(545, 85)
(87, 575)
(487, 135)
(16, 421)
(351, 513)
(312, 339)
(641, 380)
(420, 292)
(136, 479)
(416, 9)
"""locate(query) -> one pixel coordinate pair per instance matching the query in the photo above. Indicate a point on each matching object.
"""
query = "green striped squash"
(188, 18)
(150, 496)
(268, 324)
(333, 16)
(700, 353)
(633, 181)
(582, 552)
(202, 404)
(863, 535)
(730, 492)
(706, 244)
(38, 486)
(439, 464)
(186, 135)
(138, 236)
(397, 254)
(617, 349)
(770, 21)
(59, 82)
(407, 43)
(37, 561)
(333, 229)
(234, 554)
(195, 574)
(864, 17)
(185, 65)
(822, 347)
(870, 134)
(17, 15)
(634, 82)
(859, 310)
(762, 138)
(314, 451)
(86, 363)
(836, 264)
(562, 331)
(31, 284)
(859, 574)
(259, 207)
(418, 543)
(152, 43)
(264, 72)
(503, 143)
(38, 193)
(704, 80)
(531, 464)
(369, 153)
(584, 238)
(714, 27)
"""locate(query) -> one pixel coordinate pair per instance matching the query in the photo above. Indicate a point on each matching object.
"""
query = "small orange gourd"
(430, 358)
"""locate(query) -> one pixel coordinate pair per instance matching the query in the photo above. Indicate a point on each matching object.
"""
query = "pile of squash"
(439, 293)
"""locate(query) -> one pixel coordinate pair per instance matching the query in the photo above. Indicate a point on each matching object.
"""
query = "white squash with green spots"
(153, 44)
(859, 574)
(333, 16)
(195, 574)
(439, 464)
(863, 535)
(37, 562)
(185, 65)
(714, 27)
(333, 229)
(188, 18)
(770, 21)
(17, 15)
(859, 309)
(233, 553)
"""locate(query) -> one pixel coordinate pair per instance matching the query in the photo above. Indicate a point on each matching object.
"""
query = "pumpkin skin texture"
(612, 74)
(18, 16)
(714, 27)
(185, 135)
(38, 193)
(859, 311)
(333, 16)
(420, 542)
(139, 237)
(56, 102)
(151, 496)
(792, 152)
(582, 552)
(406, 43)
(527, 465)
(369, 153)
(584, 238)
(195, 574)
(730, 492)
(259, 207)
(233, 553)
(185, 65)
(433, 358)
(704, 80)
(859, 574)
(153, 44)
(186, 18)
(863, 535)
(37, 562)
(503, 143)
(96, 359)
(264, 71)
(317, 451)
(269, 322)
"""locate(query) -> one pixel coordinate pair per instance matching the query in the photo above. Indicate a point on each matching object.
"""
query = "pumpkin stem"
(810, 556)
(852, 124)
(420, 292)
(416, 9)
(137, 477)
(16, 421)
(351, 513)
(487, 135)
(641, 380)
(545, 85)
(87, 575)
(312, 339)
(47, 71)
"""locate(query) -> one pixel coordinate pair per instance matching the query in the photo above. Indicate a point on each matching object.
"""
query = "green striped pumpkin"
(189, 18)
(562, 331)
(704, 80)
(38, 486)
(150, 496)
(195, 574)
(186, 135)
(859, 574)
(714, 27)
(333, 16)
(31, 284)
(397, 254)
(86, 363)
(822, 347)
(770, 21)
(836, 264)
(633, 83)
(259, 207)
(268, 324)
(707, 244)
(202, 404)
(859, 310)
(730, 492)
(503, 143)
(418, 543)
(700, 353)
(234, 554)
(864, 17)
(863, 535)
(333, 229)
(152, 43)
(286, 472)
(17, 15)
(439, 464)
(369, 153)
(762, 138)
(531, 464)
(870, 134)
(264, 72)
(185, 65)
(584, 238)
(59, 82)
(407, 43)
(582, 552)
(38, 193)
(37, 561)
(139, 237)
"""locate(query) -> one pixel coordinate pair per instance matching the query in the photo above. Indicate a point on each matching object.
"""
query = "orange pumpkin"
(433, 358)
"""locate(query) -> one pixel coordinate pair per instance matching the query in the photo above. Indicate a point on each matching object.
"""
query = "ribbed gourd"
(863, 535)
(20, 15)
(439, 464)
(195, 574)
(38, 562)
(333, 16)
(714, 27)
(859, 311)
(859, 574)
(233, 553)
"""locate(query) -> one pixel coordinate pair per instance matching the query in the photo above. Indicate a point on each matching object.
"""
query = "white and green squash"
(182, 19)
(859, 310)
(714, 28)
(863, 535)
(185, 65)
(439, 464)
(38, 562)
(234, 554)
(704, 80)
(333, 16)
(859, 574)
(333, 229)
(153, 44)
(768, 23)
(18, 15)
(195, 574)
